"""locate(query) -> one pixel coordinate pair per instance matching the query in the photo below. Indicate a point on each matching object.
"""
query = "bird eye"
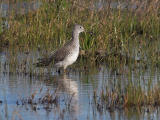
(80, 27)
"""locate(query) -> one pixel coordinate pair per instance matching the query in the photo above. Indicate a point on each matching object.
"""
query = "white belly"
(70, 59)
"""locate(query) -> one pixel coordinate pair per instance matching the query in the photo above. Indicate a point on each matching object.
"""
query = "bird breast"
(72, 57)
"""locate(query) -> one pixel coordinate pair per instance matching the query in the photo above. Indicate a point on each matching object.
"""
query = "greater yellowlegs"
(65, 55)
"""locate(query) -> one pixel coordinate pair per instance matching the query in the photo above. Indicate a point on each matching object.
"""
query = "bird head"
(78, 28)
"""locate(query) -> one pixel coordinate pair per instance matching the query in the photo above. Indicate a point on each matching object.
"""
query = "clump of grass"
(47, 99)
(131, 97)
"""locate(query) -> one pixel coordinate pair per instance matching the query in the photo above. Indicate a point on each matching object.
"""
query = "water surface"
(76, 85)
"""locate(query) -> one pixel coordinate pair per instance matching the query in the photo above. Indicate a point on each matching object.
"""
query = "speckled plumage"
(65, 55)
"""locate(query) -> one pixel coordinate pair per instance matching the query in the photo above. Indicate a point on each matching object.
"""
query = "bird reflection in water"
(69, 89)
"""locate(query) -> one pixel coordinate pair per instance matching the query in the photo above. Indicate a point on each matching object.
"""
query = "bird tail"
(42, 62)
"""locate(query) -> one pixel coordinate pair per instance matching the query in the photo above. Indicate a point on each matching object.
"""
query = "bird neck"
(75, 37)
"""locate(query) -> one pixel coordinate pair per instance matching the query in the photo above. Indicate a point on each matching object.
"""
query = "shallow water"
(75, 89)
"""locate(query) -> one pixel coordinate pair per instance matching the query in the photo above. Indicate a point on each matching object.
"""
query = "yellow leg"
(64, 70)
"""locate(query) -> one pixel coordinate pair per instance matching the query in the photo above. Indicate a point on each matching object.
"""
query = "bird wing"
(58, 55)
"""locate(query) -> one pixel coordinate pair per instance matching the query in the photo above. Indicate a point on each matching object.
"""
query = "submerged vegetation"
(131, 97)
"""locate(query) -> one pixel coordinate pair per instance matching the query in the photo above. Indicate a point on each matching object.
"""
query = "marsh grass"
(117, 32)
(134, 90)
(132, 97)
(113, 36)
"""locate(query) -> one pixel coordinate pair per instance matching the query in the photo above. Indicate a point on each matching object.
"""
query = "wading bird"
(65, 55)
